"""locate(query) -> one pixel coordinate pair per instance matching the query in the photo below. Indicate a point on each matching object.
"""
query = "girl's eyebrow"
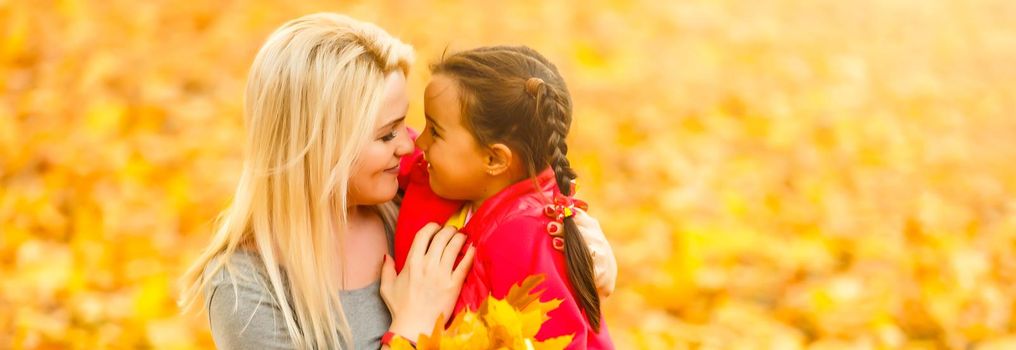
(432, 121)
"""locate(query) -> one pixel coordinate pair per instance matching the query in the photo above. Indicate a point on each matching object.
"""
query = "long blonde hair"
(312, 94)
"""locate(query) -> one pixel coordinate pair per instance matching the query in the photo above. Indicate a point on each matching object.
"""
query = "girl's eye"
(433, 132)
(390, 136)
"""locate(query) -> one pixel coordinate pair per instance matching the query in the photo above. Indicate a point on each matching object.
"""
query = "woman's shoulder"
(240, 267)
(242, 312)
(240, 274)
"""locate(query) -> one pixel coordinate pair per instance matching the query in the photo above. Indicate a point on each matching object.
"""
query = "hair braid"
(556, 109)
(558, 120)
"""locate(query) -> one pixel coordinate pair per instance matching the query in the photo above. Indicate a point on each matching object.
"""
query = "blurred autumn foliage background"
(773, 174)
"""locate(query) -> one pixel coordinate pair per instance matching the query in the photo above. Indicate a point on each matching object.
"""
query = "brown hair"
(515, 96)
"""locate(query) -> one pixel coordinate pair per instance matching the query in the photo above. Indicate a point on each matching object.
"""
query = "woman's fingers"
(387, 272)
(387, 278)
(451, 251)
(420, 243)
(437, 246)
(460, 272)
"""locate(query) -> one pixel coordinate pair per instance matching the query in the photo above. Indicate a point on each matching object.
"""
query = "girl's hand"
(426, 290)
(604, 263)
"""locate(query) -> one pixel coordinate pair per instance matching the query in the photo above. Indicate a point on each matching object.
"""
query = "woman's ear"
(499, 159)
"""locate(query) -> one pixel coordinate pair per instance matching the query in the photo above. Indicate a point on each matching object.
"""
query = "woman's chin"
(381, 194)
(389, 192)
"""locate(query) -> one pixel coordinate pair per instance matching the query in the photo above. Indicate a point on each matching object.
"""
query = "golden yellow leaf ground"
(773, 174)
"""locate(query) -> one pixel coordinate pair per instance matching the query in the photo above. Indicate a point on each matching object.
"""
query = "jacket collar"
(497, 205)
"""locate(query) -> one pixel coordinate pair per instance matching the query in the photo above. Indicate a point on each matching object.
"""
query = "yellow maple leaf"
(509, 323)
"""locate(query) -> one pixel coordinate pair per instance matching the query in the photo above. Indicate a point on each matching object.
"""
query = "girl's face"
(375, 174)
(457, 161)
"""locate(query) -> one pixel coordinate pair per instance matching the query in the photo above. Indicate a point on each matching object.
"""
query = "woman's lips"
(393, 170)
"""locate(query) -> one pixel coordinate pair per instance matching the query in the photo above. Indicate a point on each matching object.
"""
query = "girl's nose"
(420, 142)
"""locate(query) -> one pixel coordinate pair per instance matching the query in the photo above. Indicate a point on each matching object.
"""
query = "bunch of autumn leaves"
(509, 323)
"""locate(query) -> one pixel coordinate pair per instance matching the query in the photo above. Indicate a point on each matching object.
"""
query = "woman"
(296, 261)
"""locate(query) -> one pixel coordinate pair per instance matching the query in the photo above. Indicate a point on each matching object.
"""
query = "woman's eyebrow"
(393, 122)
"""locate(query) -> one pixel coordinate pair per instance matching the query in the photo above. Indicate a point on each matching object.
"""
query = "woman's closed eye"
(390, 136)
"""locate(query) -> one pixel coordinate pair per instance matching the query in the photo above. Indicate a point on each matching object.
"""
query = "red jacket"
(512, 243)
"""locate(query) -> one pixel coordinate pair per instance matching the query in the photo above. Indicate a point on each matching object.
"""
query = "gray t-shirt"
(248, 317)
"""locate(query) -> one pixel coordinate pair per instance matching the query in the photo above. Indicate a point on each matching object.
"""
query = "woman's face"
(457, 161)
(375, 175)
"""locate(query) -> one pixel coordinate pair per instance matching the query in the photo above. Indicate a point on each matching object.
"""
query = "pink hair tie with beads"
(563, 207)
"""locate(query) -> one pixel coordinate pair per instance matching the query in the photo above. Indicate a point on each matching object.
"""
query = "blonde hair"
(312, 94)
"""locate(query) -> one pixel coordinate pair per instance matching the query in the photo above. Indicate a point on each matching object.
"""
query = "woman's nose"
(405, 145)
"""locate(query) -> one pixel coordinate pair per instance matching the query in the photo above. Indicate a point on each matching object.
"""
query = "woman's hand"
(426, 290)
(604, 263)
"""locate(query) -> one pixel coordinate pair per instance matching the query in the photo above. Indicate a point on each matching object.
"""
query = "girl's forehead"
(441, 100)
(441, 87)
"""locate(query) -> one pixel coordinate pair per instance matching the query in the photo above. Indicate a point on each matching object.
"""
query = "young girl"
(495, 165)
